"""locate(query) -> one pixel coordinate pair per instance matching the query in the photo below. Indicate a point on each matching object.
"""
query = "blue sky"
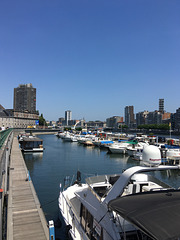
(93, 57)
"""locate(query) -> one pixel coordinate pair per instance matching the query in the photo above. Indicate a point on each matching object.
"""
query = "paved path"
(25, 217)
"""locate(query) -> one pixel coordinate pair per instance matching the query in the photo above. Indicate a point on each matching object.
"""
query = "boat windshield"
(103, 178)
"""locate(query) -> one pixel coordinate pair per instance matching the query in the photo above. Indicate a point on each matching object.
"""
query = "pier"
(25, 218)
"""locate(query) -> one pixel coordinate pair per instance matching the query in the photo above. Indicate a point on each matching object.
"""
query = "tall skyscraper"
(161, 105)
(129, 116)
(68, 116)
(25, 98)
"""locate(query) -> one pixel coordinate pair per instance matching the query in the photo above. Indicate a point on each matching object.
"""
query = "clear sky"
(93, 57)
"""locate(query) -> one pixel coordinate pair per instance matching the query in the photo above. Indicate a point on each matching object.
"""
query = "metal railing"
(6, 138)
(3, 136)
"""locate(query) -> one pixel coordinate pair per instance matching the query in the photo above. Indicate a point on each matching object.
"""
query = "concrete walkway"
(26, 219)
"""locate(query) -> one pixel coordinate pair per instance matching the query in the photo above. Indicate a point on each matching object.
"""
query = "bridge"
(21, 216)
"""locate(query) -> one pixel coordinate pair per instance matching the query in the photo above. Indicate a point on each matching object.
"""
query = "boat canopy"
(106, 142)
(171, 146)
(156, 213)
(132, 142)
(33, 139)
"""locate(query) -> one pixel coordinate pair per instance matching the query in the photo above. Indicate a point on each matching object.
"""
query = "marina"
(89, 129)
(69, 190)
(62, 159)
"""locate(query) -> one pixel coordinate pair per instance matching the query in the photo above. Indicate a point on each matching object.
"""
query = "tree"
(154, 126)
(42, 121)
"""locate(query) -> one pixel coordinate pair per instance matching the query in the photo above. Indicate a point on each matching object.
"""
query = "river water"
(61, 159)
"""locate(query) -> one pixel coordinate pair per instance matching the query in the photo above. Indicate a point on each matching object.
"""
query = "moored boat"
(119, 147)
(85, 206)
(31, 144)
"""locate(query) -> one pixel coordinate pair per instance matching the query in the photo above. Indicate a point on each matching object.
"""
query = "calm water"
(61, 159)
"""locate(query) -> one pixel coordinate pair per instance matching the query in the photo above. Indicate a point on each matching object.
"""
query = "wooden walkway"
(25, 217)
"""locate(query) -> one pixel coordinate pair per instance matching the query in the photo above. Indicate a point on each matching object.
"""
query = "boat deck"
(25, 218)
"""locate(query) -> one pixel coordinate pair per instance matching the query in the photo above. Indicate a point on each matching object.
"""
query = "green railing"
(3, 136)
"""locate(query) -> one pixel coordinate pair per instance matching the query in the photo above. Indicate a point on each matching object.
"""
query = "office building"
(177, 119)
(68, 116)
(141, 118)
(114, 121)
(154, 117)
(25, 98)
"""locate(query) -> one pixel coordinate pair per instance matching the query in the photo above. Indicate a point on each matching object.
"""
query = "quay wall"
(21, 216)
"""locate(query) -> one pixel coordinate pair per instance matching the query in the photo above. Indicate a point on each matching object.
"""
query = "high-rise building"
(161, 105)
(141, 118)
(154, 117)
(129, 116)
(25, 98)
(177, 119)
(68, 116)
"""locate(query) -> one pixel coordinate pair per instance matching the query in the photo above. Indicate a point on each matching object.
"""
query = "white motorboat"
(102, 143)
(170, 152)
(173, 154)
(138, 155)
(84, 138)
(85, 207)
(67, 137)
(74, 138)
(132, 148)
(119, 147)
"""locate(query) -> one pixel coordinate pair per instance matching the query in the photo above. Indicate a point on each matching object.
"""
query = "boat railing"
(75, 218)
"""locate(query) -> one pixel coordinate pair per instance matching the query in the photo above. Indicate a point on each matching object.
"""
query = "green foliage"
(42, 121)
(154, 126)
(67, 128)
(123, 126)
(79, 129)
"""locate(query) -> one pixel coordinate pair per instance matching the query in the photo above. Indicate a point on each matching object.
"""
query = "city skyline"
(92, 57)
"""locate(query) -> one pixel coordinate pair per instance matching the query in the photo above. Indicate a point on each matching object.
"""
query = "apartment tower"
(25, 98)
(161, 105)
(129, 116)
(68, 116)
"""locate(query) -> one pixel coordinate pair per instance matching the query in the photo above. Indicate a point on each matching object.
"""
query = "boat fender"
(68, 228)
(78, 176)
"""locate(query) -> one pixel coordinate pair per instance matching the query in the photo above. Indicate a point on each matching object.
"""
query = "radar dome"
(151, 155)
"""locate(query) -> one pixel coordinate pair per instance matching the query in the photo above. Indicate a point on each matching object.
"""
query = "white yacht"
(119, 147)
(132, 148)
(85, 207)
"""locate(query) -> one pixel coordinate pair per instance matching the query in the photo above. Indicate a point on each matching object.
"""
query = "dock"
(25, 217)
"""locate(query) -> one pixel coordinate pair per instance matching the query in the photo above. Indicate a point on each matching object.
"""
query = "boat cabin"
(31, 144)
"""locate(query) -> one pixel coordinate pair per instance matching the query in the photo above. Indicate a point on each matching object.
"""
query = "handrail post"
(6, 170)
(51, 230)
(29, 177)
(1, 207)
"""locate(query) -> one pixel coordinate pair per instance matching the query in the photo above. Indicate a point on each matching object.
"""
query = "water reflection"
(33, 156)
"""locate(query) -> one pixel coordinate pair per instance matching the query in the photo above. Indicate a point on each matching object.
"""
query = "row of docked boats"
(124, 145)
(133, 204)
